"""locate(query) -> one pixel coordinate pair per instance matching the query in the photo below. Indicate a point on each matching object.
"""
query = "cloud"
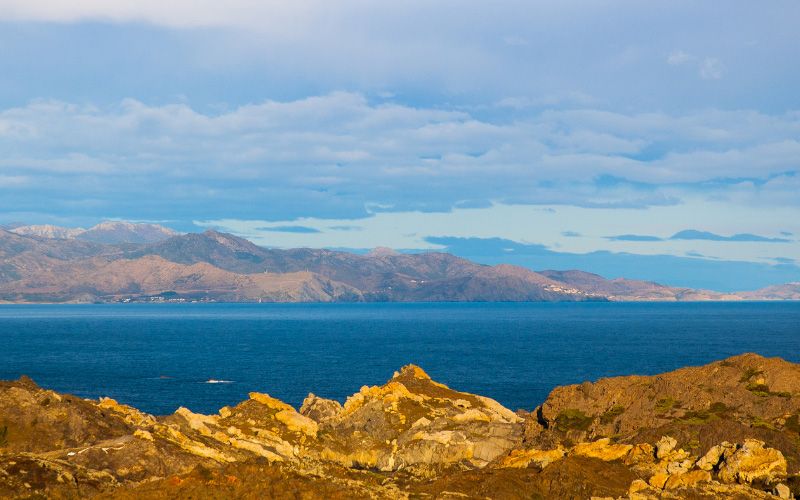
(633, 237)
(571, 234)
(558, 99)
(290, 229)
(176, 13)
(516, 41)
(346, 228)
(691, 234)
(418, 50)
(711, 69)
(14, 181)
(679, 57)
(343, 155)
(708, 68)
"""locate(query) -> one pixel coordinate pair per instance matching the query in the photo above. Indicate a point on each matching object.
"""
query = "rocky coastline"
(729, 429)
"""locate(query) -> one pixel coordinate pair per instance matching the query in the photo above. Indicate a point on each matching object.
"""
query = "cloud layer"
(695, 235)
(324, 123)
(627, 55)
(345, 155)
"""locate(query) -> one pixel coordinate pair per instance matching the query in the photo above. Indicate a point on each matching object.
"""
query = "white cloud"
(708, 68)
(10, 181)
(175, 13)
(679, 57)
(711, 69)
(340, 152)
(449, 51)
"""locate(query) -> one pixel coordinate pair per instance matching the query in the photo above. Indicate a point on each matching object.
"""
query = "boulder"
(782, 491)
(665, 446)
(520, 459)
(319, 409)
(602, 449)
(713, 457)
(752, 462)
(687, 479)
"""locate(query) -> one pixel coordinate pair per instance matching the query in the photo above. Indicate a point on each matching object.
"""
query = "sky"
(662, 133)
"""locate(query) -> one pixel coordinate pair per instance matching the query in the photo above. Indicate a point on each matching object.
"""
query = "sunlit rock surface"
(725, 430)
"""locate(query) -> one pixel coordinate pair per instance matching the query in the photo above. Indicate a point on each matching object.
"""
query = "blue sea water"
(157, 357)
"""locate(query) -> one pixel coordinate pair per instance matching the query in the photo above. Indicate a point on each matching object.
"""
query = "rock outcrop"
(666, 436)
(413, 420)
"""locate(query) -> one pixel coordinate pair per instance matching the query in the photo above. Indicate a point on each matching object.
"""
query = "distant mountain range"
(105, 232)
(127, 262)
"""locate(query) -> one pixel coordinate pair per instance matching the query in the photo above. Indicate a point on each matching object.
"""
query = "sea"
(158, 357)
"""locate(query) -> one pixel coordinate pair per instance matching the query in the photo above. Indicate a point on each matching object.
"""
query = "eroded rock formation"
(725, 430)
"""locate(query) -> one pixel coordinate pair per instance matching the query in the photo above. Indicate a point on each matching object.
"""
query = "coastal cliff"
(729, 429)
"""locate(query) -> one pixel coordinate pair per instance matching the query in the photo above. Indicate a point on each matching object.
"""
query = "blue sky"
(580, 126)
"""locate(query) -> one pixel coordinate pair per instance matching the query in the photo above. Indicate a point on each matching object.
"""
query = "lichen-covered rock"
(712, 458)
(413, 420)
(782, 491)
(413, 437)
(521, 459)
(753, 462)
(36, 419)
(320, 409)
(747, 388)
(692, 478)
(602, 449)
(642, 454)
(665, 446)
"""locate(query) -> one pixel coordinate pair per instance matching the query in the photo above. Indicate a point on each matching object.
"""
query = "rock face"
(752, 462)
(413, 420)
(414, 437)
(744, 391)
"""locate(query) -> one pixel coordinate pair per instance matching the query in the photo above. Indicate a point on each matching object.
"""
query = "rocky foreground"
(730, 429)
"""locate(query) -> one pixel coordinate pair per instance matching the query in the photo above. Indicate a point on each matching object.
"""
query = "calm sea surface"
(158, 357)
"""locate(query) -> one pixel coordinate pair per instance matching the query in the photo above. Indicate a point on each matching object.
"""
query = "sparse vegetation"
(664, 405)
(763, 391)
(698, 417)
(759, 389)
(203, 472)
(762, 424)
(572, 419)
(793, 424)
(612, 414)
(718, 408)
(748, 374)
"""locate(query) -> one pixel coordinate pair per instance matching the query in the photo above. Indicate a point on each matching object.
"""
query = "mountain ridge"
(107, 232)
(216, 266)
